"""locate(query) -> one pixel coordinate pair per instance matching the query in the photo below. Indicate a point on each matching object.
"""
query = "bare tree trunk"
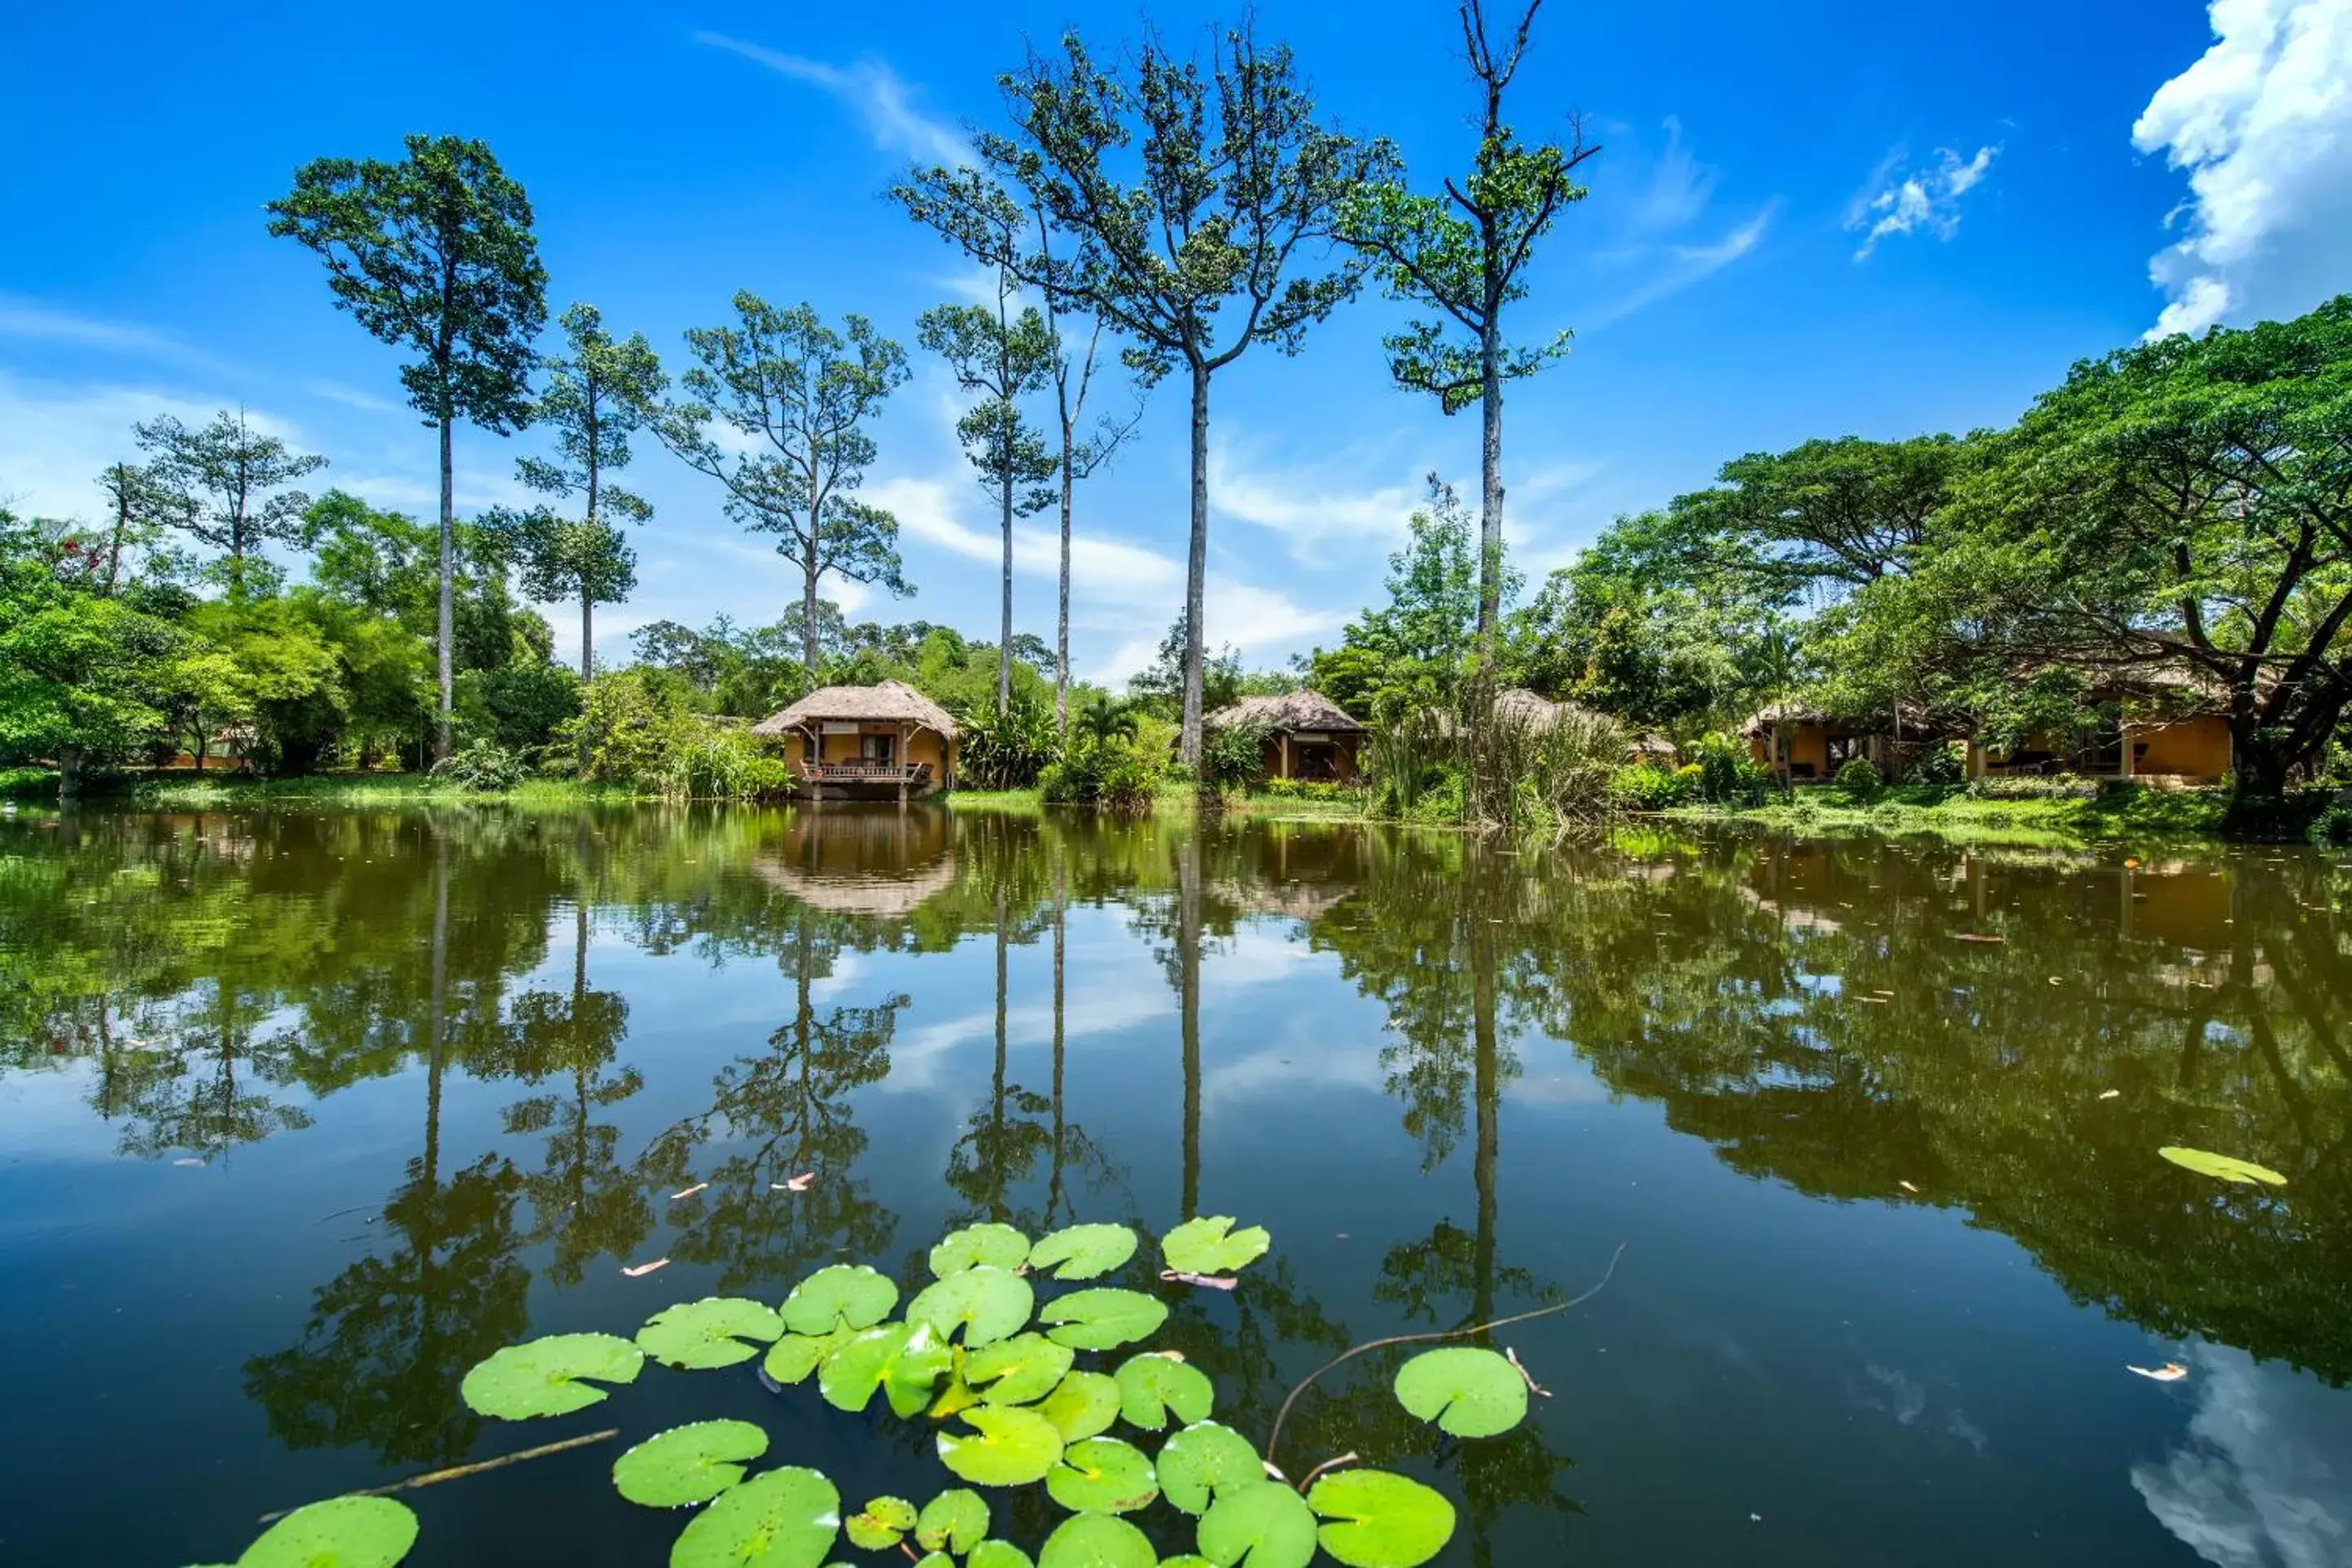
(1062, 618)
(448, 627)
(587, 673)
(69, 772)
(1490, 475)
(1196, 568)
(809, 573)
(1004, 640)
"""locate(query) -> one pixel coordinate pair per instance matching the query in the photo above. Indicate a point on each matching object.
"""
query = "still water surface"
(303, 1114)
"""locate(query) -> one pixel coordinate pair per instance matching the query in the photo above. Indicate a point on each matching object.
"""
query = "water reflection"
(2007, 1037)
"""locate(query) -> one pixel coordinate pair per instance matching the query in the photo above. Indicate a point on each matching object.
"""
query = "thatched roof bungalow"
(865, 741)
(1308, 736)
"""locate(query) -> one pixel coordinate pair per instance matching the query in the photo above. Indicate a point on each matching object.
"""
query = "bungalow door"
(877, 751)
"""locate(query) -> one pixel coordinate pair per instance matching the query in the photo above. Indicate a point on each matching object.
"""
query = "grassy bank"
(219, 793)
(2113, 814)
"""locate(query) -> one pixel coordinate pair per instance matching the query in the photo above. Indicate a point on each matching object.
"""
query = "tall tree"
(1003, 357)
(1465, 255)
(433, 254)
(1235, 182)
(597, 395)
(138, 504)
(797, 396)
(225, 483)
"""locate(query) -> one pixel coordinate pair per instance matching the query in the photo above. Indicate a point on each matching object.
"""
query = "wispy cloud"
(1311, 508)
(31, 321)
(1679, 190)
(880, 97)
(351, 396)
(1673, 267)
(1654, 245)
(1927, 200)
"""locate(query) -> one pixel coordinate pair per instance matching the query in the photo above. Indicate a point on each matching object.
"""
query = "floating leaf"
(1083, 1251)
(784, 1518)
(1102, 1319)
(1381, 1520)
(977, 1246)
(955, 1520)
(1468, 1392)
(1203, 1458)
(1082, 1404)
(1018, 1370)
(710, 1332)
(1211, 1246)
(986, 1302)
(1097, 1540)
(903, 1359)
(844, 1296)
(997, 1554)
(1102, 1475)
(880, 1525)
(542, 1377)
(2224, 1167)
(1264, 1522)
(1009, 1448)
(1152, 1386)
(341, 1533)
(791, 1358)
(958, 1396)
(687, 1464)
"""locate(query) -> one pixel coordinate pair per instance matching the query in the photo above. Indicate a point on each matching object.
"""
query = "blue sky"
(1808, 219)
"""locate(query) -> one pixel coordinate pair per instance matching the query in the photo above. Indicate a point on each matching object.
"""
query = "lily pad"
(784, 1518)
(687, 1464)
(1468, 1392)
(954, 1521)
(1082, 1251)
(341, 1533)
(1082, 1404)
(978, 1246)
(793, 1357)
(997, 1554)
(1102, 1319)
(881, 1524)
(1379, 1520)
(1018, 1370)
(718, 1330)
(985, 1302)
(903, 1359)
(1102, 1475)
(1206, 1459)
(1265, 1525)
(844, 1296)
(1008, 1447)
(543, 1376)
(1098, 1541)
(1211, 1246)
(2225, 1167)
(1152, 1387)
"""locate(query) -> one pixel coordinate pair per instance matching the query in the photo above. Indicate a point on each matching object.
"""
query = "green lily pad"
(979, 1246)
(2225, 1167)
(903, 1359)
(1206, 1459)
(1082, 1251)
(1082, 1404)
(542, 1376)
(1018, 1370)
(955, 1520)
(783, 1518)
(1153, 1387)
(1098, 1541)
(713, 1331)
(1381, 1520)
(1102, 1319)
(881, 1524)
(997, 1554)
(1266, 1524)
(1468, 1392)
(791, 1358)
(1211, 1246)
(341, 1533)
(1102, 1475)
(1009, 1447)
(687, 1464)
(844, 1296)
(984, 1302)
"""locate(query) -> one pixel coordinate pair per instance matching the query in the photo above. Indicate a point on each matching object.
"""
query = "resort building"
(866, 743)
(1308, 736)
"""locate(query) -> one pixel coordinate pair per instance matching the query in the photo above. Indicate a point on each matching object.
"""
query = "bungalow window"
(1841, 749)
(878, 750)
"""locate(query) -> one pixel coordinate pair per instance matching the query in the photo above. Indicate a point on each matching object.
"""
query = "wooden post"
(1282, 736)
(2124, 731)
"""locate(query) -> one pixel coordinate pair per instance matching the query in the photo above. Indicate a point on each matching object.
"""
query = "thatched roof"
(1760, 723)
(880, 864)
(886, 702)
(1291, 710)
(1654, 746)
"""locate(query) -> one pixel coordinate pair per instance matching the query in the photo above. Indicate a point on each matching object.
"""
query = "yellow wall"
(1807, 742)
(1343, 746)
(2194, 748)
(924, 746)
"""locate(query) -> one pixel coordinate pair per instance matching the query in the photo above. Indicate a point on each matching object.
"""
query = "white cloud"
(873, 89)
(1311, 510)
(30, 320)
(1680, 187)
(55, 438)
(2263, 122)
(2261, 1481)
(1675, 267)
(1929, 199)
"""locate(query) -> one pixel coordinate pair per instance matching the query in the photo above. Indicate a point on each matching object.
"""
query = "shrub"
(481, 765)
(725, 765)
(519, 706)
(1860, 778)
(637, 722)
(1942, 765)
(1726, 774)
(1645, 787)
(1405, 756)
(2333, 826)
(1105, 773)
(1232, 757)
(2059, 786)
(1007, 750)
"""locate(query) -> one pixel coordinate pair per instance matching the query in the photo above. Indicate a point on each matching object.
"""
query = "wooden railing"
(865, 772)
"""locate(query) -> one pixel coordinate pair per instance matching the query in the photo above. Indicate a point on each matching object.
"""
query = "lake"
(305, 1113)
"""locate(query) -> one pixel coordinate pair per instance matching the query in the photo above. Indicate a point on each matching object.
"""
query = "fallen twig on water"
(434, 1477)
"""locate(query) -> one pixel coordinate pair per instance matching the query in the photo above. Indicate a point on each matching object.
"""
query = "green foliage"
(631, 726)
(1727, 773)
(1102, 1318)
(718, 1330)
(1375, 1520)
(2028, 786)
(1008, 1447)
(1007, 748)
(224, 484)
(550, 1376)
(341, 1532)
(688, 1464)
(2333, 826)
(784, 1518)
(1116, 776)
(1210, 1245)
(1232, 756)
(483, 765)
(842, 1296)
(1941, 765)
(519, 706)
(1645, 787)
(1082, 1251)
(1414, 652)
(1467, 1390)
(1860, 777)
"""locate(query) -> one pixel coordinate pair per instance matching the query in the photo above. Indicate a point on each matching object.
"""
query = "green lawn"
(2116, 814)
